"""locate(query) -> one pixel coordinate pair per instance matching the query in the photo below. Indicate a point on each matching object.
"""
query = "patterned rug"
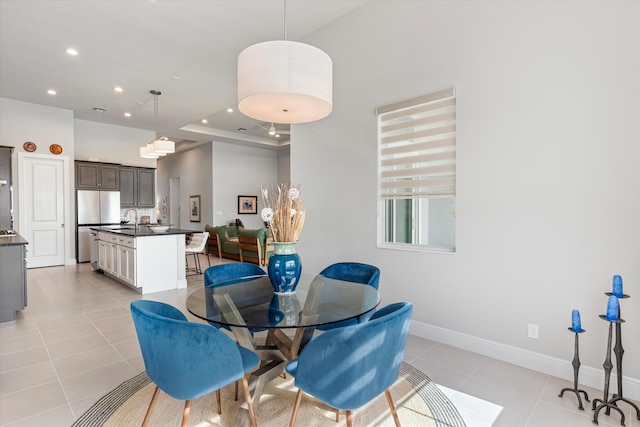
(419, 402)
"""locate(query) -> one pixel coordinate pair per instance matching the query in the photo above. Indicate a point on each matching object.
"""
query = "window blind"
(418, 147)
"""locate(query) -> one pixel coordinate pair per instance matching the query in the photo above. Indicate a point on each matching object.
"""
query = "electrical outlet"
(532, 331)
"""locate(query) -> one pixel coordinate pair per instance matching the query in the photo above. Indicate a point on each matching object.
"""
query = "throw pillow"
(221, 231)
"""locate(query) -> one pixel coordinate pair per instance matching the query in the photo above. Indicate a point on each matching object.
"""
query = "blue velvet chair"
(217, 274)
(188, 360)
(351, 272)
(348, 367)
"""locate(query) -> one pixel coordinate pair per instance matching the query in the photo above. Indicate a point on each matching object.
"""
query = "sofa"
(224, 241)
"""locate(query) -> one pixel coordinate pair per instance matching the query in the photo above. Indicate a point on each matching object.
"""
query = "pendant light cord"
(284, 12)
(155, 94)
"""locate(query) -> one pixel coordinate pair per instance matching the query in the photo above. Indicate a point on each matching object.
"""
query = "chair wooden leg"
(393, 407)
(349, 419)
(337, 415)
(153, 402)
(236, 390)
(247, 395)
(218, 399)
(294, 414)
(185, 415)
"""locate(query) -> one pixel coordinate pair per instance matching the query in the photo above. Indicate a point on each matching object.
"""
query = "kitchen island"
(144, 260)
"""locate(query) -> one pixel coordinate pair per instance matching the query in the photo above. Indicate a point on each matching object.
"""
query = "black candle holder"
(576, 369)
(619, 352)
(608, 366)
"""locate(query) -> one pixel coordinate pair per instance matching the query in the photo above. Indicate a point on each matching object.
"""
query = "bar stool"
(197, 246)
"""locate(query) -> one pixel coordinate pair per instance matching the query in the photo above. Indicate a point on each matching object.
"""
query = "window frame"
(446, 167)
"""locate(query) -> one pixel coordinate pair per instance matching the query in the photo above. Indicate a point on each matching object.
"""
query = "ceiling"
(185, 49)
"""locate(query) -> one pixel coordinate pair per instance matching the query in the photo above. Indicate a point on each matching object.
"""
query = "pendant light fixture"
(161, 146)
(285, 82)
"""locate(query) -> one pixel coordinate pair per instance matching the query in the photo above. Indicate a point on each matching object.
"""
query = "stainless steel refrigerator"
(94, 208)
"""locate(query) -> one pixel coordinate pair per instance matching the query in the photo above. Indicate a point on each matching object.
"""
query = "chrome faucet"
(135, 216)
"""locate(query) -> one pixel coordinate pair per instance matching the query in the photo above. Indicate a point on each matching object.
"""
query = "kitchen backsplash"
(150, 212)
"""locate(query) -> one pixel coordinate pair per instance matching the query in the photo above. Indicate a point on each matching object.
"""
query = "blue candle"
(575, 321)
(617, 286)
(612, 308)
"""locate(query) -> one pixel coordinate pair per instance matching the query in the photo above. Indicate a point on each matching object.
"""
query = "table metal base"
(275, 353)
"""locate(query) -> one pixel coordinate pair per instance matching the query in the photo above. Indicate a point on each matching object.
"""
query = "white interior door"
(42, 209)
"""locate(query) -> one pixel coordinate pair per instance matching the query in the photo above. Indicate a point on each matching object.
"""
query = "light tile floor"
(75, 342)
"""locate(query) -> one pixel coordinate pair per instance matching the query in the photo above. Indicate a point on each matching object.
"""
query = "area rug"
(419, 402)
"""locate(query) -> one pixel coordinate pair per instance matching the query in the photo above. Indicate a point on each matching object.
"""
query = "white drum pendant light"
(285, 82)
(146, 154)
(161, 146)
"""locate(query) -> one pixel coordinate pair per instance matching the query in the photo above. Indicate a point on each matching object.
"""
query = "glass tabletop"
(251, 302)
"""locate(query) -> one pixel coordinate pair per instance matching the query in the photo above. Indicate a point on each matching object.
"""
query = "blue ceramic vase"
(285, 267)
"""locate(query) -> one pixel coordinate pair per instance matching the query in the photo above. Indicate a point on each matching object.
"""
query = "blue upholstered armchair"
(188, 360)
(351, 272)
(217, 274)
(348, 367)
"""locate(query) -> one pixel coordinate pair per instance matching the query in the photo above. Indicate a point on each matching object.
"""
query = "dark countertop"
(15, 239)
(142, 231)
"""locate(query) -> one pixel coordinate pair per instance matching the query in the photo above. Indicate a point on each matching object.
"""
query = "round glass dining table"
(249, 304)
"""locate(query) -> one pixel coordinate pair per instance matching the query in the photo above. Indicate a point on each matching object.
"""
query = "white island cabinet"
(149, 262)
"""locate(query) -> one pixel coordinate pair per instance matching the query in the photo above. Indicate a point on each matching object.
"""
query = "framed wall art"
(247, 204)
(194, 208)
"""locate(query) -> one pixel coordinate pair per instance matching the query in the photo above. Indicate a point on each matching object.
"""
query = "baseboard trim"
(589, 376)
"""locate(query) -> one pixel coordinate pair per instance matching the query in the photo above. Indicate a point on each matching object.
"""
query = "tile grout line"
(75, 416)
(46, 348)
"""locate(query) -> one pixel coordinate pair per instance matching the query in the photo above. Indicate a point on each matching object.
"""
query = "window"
(417, 172)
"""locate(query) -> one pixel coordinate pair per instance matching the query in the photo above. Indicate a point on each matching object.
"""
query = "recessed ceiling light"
(175, 77)
(242, 129)
(229, 110)
(277, 135)
(205, 121)
(51, 92)
(127, 114)
(117, 89)
(99, 109)
(71, 51)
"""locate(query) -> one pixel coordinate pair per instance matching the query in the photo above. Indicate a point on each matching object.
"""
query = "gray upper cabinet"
(128, 184)
(97, 176)
(137, 187)
(146, 188)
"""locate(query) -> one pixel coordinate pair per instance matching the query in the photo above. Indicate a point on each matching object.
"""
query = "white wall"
(239, 170)
(548, 190)
(193, 167)
(99, 142)
(284, 165)
(21, 122)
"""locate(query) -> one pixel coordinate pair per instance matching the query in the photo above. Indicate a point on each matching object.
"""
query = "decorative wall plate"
(29, 146)
(55, 149)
